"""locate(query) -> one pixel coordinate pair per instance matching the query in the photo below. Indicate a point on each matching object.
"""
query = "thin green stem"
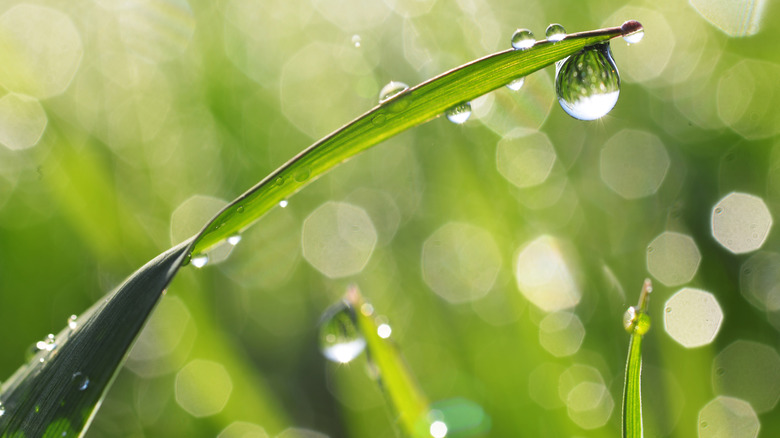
(637, 323)
(412, 107)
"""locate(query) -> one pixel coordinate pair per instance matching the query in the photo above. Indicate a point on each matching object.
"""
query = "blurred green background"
(502, 252)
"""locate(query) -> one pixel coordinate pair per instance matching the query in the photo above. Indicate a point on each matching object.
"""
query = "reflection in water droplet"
(522, 39)
(82, 381)
(340, 338)
(283, 203)
(200, 260)
(634, 37)
(233, 239)
(587, 83)
(356, 40)
(392, 89)
(73, 322)
(516, 84)
(555, 32)
(459, 113)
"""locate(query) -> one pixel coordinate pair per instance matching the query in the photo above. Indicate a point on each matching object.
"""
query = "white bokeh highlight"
(673, 258)
(692, 317)
(634, 163)
(22, 121)
(338, 239)
(561, 333)
(759, 280)
(741, 222)
(544, 277)
(243, 429)
(203, 388)
(588, 400)
(460, 262)
(525, 158)
(728, 417)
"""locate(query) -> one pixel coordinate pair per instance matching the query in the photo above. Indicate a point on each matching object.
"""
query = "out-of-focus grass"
(240, 98)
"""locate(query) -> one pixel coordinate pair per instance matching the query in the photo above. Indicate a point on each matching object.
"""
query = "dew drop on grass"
(516, 84)
(340, 338)
(200, 260)
(392, 89)
(81, 381)
(48, 343)
(523, 39)
(635, 321)
(587, 83)
(233, 239)
(240, 209)
(632, 32)
(283, 203)
(73, 322)
(555, 32)
(459, 113)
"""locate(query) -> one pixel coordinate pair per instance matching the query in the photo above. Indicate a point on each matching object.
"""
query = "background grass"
(153, 117)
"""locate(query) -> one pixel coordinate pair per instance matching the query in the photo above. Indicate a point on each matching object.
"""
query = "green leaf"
(637, 323)
(59, 391)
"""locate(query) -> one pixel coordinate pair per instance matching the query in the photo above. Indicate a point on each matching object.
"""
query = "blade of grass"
(637, 323)
(414, 106)
(397, 381)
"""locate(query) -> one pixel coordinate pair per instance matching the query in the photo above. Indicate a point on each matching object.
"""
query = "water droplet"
(633, 32)
(523, 39)
(73, 322)
(629, 319)
(2, 409)
(233, 239)
(384, 331)
(82, 381)
(302, 175)
(240, 209)
(718, 210)
(340, 338)
(668, 310)
(356, 40)
(459, 113)
(378, 119)
(283, 203)
(200, 260)
(48, 343)
(587, 83)
(555, 32)
(635, 321)
(392, 89)
(516, 84)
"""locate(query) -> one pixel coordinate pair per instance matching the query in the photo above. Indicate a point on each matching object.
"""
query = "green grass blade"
(59, 391)
(637, 323)
(397, 381)
(410, 108)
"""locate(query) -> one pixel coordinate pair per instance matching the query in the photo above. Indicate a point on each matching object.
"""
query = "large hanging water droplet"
(340, 338)
(523, 39)
(587, 83)
(459, 113)
(392, 89)
(200, 260)
(633, 32)
(516, 84)
(555, 32)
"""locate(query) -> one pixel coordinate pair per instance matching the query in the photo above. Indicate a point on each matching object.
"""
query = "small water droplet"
(668, 310)
(240, 209)
(340, 338)
(516, 84)
(200, 260)
(633, 32)
(302, 175)
(704, 424)
(48, 343)
(629, 319)
(555, 32)
(587, 83)
(356, 40)
(233, 239)
(718, 210)
(283, 203)
(82, 381)
(73, 322)
(523, 39)
(459, 113)
(384, 331)
(392, 89)
(378, 120)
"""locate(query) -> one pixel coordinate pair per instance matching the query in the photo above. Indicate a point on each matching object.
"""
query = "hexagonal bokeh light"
(748, 370)
(460, 262)
(741, 222)
(543, 275)
(759, 280)
(22, 121)
(728, 417)
(203, 388)
(673, 258)
(634, 163)
(561, 333)
(692, 317)
(338, 239)
(735, 18)
(525, 158)
(243, 429)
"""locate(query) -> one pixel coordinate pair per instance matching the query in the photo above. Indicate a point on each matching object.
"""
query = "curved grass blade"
(412, 107)
(59, 391)
(637, 323)
(397, 381)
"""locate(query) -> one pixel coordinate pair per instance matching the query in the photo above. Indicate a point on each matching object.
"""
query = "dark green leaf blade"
(61, 393)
